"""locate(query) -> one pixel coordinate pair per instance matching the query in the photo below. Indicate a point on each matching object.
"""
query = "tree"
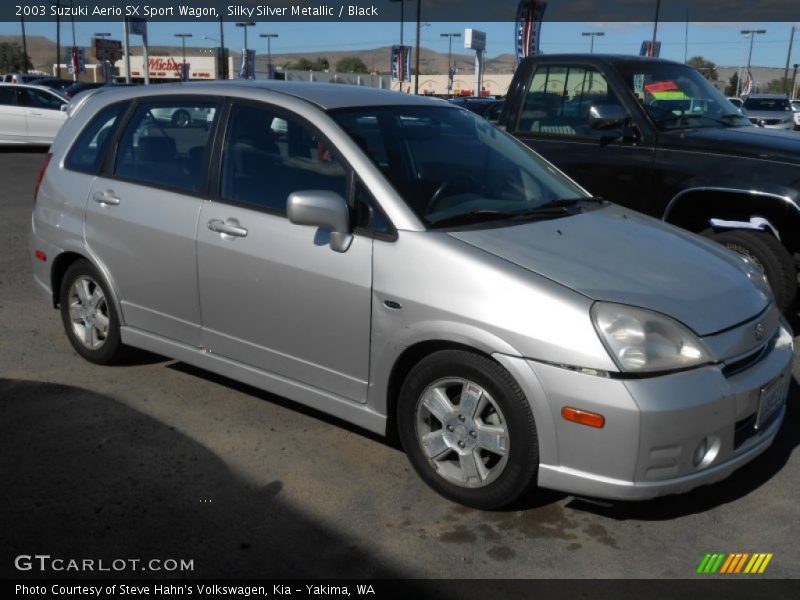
(321, 64)
(707, 68)
(779, 86)
(351, 64)
(733, 85)
(13, 59)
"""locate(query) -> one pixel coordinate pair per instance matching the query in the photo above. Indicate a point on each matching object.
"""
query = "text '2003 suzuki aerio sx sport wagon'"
(399, 263)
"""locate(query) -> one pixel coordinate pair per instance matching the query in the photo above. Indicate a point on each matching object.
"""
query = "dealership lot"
(157, 460)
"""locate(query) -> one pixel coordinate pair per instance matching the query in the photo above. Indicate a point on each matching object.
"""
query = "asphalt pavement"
(157, 459)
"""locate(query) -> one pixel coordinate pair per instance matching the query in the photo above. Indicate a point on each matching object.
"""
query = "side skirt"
(337, 406)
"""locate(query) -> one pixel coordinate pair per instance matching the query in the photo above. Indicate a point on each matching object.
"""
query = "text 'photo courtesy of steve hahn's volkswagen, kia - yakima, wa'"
(400, 263)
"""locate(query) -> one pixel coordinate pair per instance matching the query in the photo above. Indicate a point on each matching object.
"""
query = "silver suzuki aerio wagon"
(401, 264)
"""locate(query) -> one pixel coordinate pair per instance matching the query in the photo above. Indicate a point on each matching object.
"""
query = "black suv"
(656, 136)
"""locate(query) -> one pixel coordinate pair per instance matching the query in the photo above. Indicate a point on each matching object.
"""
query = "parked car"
(54, 83)
(80, 86)
(463, 293)
(769, 110)
(737, 102)
(656, 136)
(30, 114)
(796, 109)
(183, 117)
(20, 77)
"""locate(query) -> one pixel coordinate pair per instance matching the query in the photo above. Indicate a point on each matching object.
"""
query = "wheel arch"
(63, 261)
(693, 209)
(407, 360)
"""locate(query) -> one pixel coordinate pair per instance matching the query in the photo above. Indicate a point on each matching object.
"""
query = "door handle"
(107, 198)
(220, 226)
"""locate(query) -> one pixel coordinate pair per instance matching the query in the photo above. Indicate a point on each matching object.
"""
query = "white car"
(182, 117)
(796, 109)
(30, 114)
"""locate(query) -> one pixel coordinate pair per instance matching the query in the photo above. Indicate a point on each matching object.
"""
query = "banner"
(647, 49)
(401, 63)
(137, 26)
(528, 27)
(75, 60)
(248, 67)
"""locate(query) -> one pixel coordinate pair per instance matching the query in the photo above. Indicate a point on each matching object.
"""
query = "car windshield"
(679, 97)
(767, 104)
(453, 168)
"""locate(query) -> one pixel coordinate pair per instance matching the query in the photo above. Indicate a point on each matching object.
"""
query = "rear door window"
(165, 144)
(89, 149)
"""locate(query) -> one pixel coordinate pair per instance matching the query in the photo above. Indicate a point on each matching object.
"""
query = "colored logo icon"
(734, 563)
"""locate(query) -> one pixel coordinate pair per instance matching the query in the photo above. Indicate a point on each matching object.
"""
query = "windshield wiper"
(474, 216)
(549, 210)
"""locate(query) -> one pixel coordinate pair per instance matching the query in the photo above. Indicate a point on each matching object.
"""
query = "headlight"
(757, 276)
(642, 341)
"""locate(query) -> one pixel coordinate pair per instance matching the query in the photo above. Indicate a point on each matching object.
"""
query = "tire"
(88, 314)
(769, 255)
(181, 118)
(488, 458)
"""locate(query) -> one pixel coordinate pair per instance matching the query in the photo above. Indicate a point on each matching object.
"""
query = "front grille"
(749, 360)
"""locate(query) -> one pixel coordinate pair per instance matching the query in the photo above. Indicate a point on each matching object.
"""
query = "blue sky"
(720, 42)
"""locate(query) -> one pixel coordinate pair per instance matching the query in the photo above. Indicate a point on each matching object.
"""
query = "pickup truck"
(656, 136)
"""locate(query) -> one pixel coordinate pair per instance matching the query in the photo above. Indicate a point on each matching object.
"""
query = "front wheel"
(769, 255)
(468, 429)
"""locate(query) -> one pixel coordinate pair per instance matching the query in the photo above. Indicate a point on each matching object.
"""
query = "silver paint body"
(280, 310)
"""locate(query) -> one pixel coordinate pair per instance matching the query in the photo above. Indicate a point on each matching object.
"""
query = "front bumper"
(653, 425)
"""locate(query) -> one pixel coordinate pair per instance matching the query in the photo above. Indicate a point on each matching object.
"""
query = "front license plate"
(772, 398)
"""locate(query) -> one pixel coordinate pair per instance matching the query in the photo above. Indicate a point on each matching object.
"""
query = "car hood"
(618, 255)
(754, 142)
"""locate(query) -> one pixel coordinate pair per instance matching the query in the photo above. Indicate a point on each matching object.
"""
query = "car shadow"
(85, 475)
(741, 483)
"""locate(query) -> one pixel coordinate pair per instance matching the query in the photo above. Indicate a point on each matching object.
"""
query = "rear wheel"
(468, 429)
(88, 314)
(769, 255)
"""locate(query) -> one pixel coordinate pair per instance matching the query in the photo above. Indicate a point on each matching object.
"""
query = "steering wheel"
(447, 184)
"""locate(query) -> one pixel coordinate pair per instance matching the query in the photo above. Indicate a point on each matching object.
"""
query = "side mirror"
(63, 107)
(604, 117)
(323, 209)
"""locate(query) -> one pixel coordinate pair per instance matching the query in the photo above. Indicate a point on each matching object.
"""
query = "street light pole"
(269, 37)
(244, 26)
(655, 25)
(450, 67)
(24, 46)
(183, 36)
(416, 58)
(592, 35)
(788, 60)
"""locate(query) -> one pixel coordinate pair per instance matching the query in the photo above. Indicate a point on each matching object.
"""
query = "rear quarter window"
(86, 154)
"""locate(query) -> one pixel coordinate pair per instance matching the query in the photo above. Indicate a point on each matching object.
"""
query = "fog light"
(706, 451)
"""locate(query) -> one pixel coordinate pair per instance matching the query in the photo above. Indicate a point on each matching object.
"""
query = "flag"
(748, 85)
